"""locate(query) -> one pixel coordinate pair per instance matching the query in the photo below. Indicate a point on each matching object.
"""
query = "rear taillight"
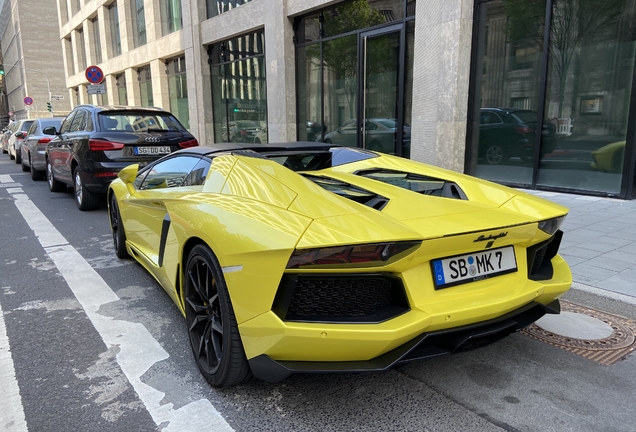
(103, 145)
(189, 143)
(523, 129)
(105, 174)
(351, 256)
(44, 141)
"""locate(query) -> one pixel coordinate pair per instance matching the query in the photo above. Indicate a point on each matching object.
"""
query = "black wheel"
(54, 185)
(85, 199)
(35, 174)
(495, 155)
(214, 337)
(117, 227)
(24, 167)
(18, 156)
(10, 155)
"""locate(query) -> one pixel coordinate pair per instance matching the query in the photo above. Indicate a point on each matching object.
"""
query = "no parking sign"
(94, 74)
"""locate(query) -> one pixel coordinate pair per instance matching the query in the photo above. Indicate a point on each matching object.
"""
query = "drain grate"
(606, 351)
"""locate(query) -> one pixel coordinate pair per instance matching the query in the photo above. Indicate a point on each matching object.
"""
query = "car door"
(58, 152)
(145, 213)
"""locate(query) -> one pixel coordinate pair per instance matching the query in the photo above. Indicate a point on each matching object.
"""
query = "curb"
(604, 293)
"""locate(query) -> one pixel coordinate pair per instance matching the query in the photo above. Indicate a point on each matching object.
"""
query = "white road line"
(11, 412)
(139, 351)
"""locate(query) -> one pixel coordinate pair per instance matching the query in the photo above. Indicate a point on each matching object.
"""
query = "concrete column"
(132, 87)
(198, 76)
(152, 9)
(442, 49)
(83, 95)
(281, 78)
(111, 90)
(160, 93)
(105, 33)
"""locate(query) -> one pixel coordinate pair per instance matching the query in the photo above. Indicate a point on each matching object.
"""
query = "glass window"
(79, 121)
(309, 93)
(591, 65)
(145, 86)
(170, 173)
(178, 90)
(217, 7)
(97, 44)
(66, 124)
(509, 61)
(70, 56)
(138, 22)
(171, 20)
(198, 174)
(360, 14)
(239, 89)
(122, 93)
(115, 41)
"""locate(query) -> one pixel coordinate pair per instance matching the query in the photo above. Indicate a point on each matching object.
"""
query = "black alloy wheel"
(54, 185)
(85, 199)
(117, 227)
(18, 156)
(214, 337)
(495, 155)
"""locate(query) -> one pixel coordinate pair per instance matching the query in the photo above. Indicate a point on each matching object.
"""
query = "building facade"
(32, 60)
(535, 94)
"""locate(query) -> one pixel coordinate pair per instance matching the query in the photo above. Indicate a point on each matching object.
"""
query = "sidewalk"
(599, 241)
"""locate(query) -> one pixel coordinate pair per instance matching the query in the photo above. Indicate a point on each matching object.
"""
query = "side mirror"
(49, 130)
(129, 174)
(19, 134)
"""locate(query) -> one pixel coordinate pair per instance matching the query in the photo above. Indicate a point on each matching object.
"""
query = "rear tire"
(117, 228)
(11, 157)
(495, 155)
(36, 175)
(54, 185)
(24, 167)
(85, 199)
(212, 329)
(18, 157)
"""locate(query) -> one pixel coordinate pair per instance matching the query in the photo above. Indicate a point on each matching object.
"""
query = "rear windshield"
(26, 125)
(51, 122)
(526, 116)
(139, 121)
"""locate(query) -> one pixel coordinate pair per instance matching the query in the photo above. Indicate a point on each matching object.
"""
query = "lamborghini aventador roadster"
(308, 257)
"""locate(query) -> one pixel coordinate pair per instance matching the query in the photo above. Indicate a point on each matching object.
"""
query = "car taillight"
(523, 129)
(103, 145)
(368, 254)
(44, 141)
(189, 143)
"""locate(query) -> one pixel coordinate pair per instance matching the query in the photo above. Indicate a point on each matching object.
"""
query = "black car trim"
(425, 345)
(165, 225)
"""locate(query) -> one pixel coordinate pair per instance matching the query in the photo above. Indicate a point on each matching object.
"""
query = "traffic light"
(49, 106)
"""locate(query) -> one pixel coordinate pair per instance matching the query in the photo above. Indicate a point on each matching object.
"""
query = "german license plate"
(473, 267)
(150, 150)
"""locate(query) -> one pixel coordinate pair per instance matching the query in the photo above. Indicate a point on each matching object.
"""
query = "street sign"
(57, 97)
(96, 89)
(28, 100)
(94, 75)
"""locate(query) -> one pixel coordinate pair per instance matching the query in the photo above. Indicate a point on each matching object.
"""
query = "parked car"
(310, 257)
(511, 132)
(95, 142)
(380, 134)
(15, 140)
(241, 131)
(4, 137)
(34, 146)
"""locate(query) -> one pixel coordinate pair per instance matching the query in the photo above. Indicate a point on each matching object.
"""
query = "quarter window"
(170, 173)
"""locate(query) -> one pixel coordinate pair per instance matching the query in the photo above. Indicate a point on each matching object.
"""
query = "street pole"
(48, 83)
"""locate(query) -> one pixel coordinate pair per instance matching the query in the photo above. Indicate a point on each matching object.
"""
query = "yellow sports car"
(308, 257)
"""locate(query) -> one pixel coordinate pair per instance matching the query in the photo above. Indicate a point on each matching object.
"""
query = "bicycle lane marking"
(139, 351)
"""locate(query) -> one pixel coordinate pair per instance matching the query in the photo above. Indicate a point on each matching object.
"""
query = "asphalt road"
(94, 344)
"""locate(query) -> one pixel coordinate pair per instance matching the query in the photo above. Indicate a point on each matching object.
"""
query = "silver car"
(4, 138)
(15, 140)
(34, 146)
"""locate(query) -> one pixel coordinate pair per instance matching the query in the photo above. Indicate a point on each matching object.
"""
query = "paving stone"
(618, 285)
(589, 272)
(580, 252)
(610, 264)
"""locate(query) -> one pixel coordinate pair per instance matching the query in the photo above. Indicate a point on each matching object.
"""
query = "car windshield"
(390, 123)
(26, 125)
(139, 121)
(247, 124)
(51, 122)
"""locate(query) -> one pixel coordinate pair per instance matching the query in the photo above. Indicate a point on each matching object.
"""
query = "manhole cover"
(605, 350)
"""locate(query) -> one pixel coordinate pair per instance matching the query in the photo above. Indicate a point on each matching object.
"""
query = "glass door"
(380, 96)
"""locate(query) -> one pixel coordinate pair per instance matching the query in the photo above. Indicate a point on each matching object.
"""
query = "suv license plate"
(150, 150)
(473, 267)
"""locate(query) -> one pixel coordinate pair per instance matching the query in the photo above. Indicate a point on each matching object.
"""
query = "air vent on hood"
(346, 190)
(417, 183)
